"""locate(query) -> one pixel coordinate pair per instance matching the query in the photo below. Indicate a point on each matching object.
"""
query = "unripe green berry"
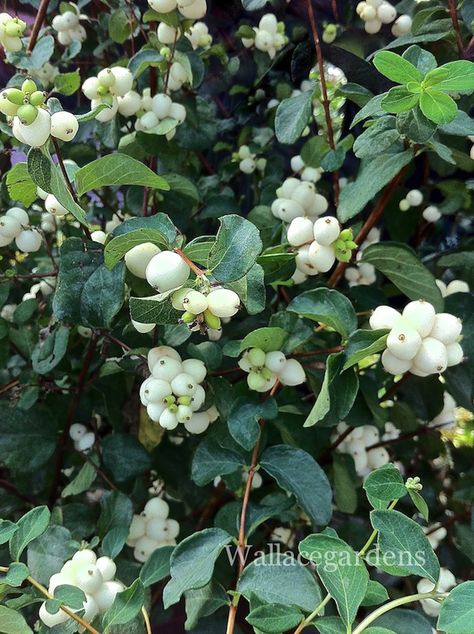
(188, 318)
(255, 381)
(16, 96)
(165, 52)
(29, 86)
(106, 77)
(27, 114)
(15, 28)
(185, 400)
(102, 90)
(346, 234)
(211, 320)
(170, 400)
(173, 408)
(256, 357)
(37, 98)
(267, 374)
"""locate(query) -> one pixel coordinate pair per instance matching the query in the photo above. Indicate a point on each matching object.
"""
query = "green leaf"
(87, 292)
(399, 99)
(362, 344)
(267, 339)
(124, 456)
(88, 116)
(327, 307)
(376, 594)
(20, 185)
(251, 290)
(438, 106)
(116, 248)
(330, 625)
(153, 310)
(143, 59)
(275, 618)
(119, 26)
(292, 117)
(117, 169)
(459, 77)
(82, 482)
(337, 394)
(341, 570)
(15, 576)
(7, 529)
(183, 186)
(159, 222)
(67, 83)
(461, 125)
(244, 416)
(50, 350)
(117, 511)
(48, 552)
(345, 491)
(126, 606)
(406, 541)
(298, 473)
(72, 596)
(384, 485)
(47, 176)
(30, 526)
(372, 177)
(457, 610)
(415, 126)
(276, 578)
(211, 460)
(236, 249)
(204, 601)
(396, 68)
(26, 442)
(403, 621)
(403, 268)
(12, 622)
(419, 503)
(192, 562)
(377, 138)
(253, 5)
(423, 60)
(157, 566)
(371, 108)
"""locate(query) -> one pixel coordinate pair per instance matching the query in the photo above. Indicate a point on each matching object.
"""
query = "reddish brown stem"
(71, 413)
(457, 29)
(313, 353)
(324, 91)
(40, 16)
(335, 9)
(371, 221)
(189, 262)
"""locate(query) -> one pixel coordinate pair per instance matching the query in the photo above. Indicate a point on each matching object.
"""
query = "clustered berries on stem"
(376, 13)
(420, 341)
(152, 529)
(174, 394)
(67, 25)
(94, 576)
(191, 9)
(269, 36)
(266, 368)
(106, 88)
(357, 444)
(11, 32)
(296, 199)
(15, 225)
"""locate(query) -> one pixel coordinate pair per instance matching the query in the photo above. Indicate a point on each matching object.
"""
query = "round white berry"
(144, 548)
(432, 356)
(107, 568)
(36, 133)
(105, 596)
(54, 206)
(223, 302)
(50, 620)
(383, 317)
(77, 431)
(86, 442)
(275, 361)
(403, 340)
(373, 26)
(386, 13)
(446, 328)
(455, 354)
(457, 286)
(322, 257)
(183, 385)
(431, 214)
(300, 231)
(19, 214)
(29, 241)
(198, 424)
(368, 13)
(89, 579)
(414, 197)
(286, 209)
(168, 420)
(129, 104)
(107, 114)
(167, 34)
(166, 271)
(163, 6)
(166, 369)
(268, 23)
(326, 230)
(64, 125)
(156, 390)
(195, 368)
(198, 398)
(123, 81)
(195, 302)
(377, 458)
(420, 315)
(137, 528)
(304, 194)
(393, 364)
(194, 11)
(155, 410)
(138, 258)
(292, 373)
(184, 413)
(248, 166)
(178, 112)
(156, 529)
(85, 557)
(157, 507)
(10, 227)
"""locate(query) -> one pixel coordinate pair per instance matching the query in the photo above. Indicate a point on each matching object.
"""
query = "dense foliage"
(236, 322)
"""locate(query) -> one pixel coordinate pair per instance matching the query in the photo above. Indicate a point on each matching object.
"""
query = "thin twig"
(457, 29)
(189, 262)
(146, 618)
(71, 413)
(324, 91)
(40, 16)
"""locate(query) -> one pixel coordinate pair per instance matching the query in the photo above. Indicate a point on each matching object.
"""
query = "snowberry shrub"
(236, 320)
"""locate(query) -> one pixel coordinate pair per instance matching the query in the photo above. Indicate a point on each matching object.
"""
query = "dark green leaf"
(126, 606)
(30, 526)
(157, 567)
(236, 249)
(328, 307)
(292, 117)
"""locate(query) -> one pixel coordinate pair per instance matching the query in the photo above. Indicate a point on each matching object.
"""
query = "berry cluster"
(68, 27)
(11, 32)
(205, 311)
(357, 444)
(414, 198)
(319, 244)
(248, 161)
(455, 286)
(31, 122)
(106, 88)
(269, 36)
(46, 74)
(83, 438)
(296, 198)
(199, 36)
(152, 529)
(419, 341)
(46, 286)
(173, 393)
(375, 13)
(306, 173)
(94, 576)
(363, 273)
(265, 369)
(446, 582)
(14, 225)
(162, 107)
(191, 9)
